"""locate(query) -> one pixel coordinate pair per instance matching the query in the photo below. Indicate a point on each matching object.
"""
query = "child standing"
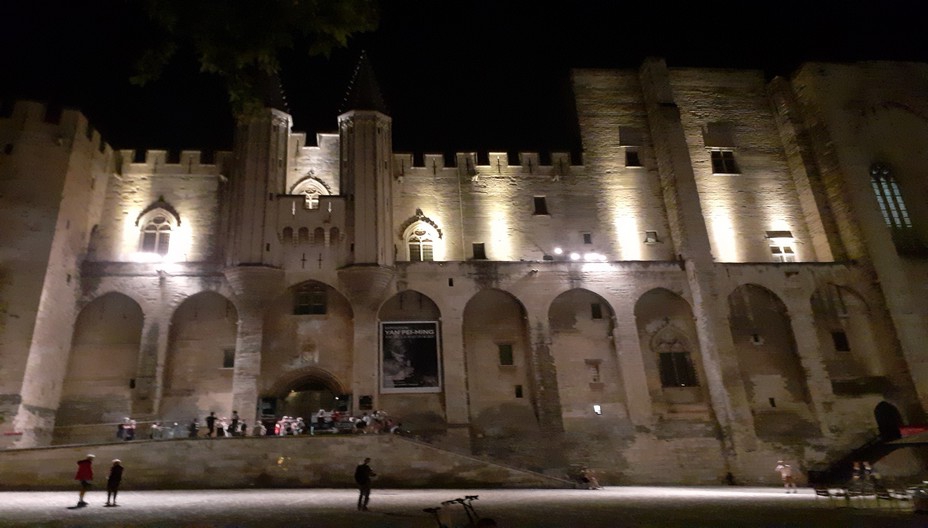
(786, 474)
(112, 482)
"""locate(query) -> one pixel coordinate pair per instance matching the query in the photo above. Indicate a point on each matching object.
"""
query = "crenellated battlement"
(473, 163)
(167, 162)
(63, 126)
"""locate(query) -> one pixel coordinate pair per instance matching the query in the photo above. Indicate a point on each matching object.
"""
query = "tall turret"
(365, 133)
(258, 176)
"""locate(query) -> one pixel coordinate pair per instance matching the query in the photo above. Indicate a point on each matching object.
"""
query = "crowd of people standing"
(323, 421)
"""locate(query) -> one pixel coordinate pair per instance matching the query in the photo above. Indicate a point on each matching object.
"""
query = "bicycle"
(467, 502)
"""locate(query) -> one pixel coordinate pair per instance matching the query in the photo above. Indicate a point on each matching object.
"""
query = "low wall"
(268, 462)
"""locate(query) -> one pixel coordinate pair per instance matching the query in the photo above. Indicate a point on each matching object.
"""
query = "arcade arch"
(670, 349)
(846, 334)
(302, 392)
(410, 360)
(773, 377)
(101, 365)
(501, 395)
(307, 346)
(200, 358)
(583, 347)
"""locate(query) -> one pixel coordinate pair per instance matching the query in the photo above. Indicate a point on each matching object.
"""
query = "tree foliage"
(241, 41)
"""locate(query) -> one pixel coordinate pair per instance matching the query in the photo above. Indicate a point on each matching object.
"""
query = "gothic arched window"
(156, 234)
(311, 189)
(889, 198)
(676, 365)
(421, 244)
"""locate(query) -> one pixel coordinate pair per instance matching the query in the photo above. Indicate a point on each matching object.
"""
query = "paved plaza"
(612, 507)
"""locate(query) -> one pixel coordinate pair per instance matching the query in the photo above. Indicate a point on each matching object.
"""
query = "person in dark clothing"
(233, 427)
(211, 424)
(193, 429)
(362, 476)
(112, 482)
(84, 475)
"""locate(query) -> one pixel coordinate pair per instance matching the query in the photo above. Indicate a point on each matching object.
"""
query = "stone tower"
(365, 134)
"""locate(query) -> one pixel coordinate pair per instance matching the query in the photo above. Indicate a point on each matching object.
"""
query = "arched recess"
(200, 358)
(773, 377)
(101, 366)
(307, 346)
(311, 188)
(847, 337)
(888, 420)
(302, 392)
(500, 394)
(410, 359)
(671, 354)
(587, 367)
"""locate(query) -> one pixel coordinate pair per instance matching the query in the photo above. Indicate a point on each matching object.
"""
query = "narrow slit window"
(228, 358)
(840, 340)
(480, 251)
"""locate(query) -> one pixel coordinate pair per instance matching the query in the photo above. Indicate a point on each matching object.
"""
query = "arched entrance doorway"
(888, 420)
(302, 393)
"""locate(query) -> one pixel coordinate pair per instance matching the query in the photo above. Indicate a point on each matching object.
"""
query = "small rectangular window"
(541, 206)
(310, 300)
(518, 391)
(592, 367)
(781, 246)
(840, 340)
(631, 158)
(723, 162)
(596, 311)
(480, 251)
(505, 354)
(650, 237)
(228, 358)
(587, 238)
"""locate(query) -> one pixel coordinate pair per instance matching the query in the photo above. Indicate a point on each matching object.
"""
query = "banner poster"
(409, 359)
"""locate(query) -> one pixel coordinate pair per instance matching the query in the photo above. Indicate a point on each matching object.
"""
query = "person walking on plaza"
(112, 482)
(84, 475)
(786, 474)
(362, 476)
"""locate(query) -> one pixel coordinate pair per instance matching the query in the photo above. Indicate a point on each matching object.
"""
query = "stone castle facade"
(735, 272)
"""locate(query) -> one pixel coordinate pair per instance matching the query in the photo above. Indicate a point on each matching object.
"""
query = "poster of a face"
(409, 357)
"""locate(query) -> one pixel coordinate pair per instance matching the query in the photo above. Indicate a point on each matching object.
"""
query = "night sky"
(456, 75)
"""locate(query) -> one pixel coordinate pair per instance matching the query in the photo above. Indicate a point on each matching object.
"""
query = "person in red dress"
(84, 475)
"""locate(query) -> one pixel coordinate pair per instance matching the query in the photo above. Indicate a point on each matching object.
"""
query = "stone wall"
(270, 462)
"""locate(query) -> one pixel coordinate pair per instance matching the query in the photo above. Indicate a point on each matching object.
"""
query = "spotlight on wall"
(558, 251)
(575, 256)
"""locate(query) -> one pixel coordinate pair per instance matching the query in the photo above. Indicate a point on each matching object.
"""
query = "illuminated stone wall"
(592, 269)
(52, 178)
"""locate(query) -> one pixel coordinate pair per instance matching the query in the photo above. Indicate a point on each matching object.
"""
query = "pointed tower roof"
(271, 91)
(363, 91)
